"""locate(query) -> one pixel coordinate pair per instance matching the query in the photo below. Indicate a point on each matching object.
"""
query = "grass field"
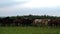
(29, 30)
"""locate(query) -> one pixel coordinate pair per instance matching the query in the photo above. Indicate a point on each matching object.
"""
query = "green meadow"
(29, 30)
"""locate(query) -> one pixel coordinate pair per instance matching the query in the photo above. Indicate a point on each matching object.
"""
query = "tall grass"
(29, 30)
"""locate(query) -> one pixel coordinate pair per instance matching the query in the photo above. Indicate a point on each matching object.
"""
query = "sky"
(26, 7)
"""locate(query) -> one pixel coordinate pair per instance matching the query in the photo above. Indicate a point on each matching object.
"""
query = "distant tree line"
(36, 17)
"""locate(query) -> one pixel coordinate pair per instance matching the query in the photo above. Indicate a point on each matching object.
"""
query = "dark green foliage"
(34, 17)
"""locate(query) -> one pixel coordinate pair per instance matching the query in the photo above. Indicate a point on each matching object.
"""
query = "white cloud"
(42, 3)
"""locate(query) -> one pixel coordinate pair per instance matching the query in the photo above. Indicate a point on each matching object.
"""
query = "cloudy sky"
(26, 7)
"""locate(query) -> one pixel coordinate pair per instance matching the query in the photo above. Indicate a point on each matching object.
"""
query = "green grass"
(29, 30)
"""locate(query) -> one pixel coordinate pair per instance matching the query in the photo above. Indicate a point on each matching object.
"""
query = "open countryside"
(30, 25)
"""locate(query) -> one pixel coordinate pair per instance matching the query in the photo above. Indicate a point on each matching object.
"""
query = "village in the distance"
(30, 20)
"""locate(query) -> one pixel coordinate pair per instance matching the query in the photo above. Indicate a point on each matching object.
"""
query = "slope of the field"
(29, 30)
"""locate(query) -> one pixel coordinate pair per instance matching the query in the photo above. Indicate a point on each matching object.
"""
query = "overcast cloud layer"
(26, 7)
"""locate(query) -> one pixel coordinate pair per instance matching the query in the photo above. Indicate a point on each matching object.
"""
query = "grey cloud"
(7, 4)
